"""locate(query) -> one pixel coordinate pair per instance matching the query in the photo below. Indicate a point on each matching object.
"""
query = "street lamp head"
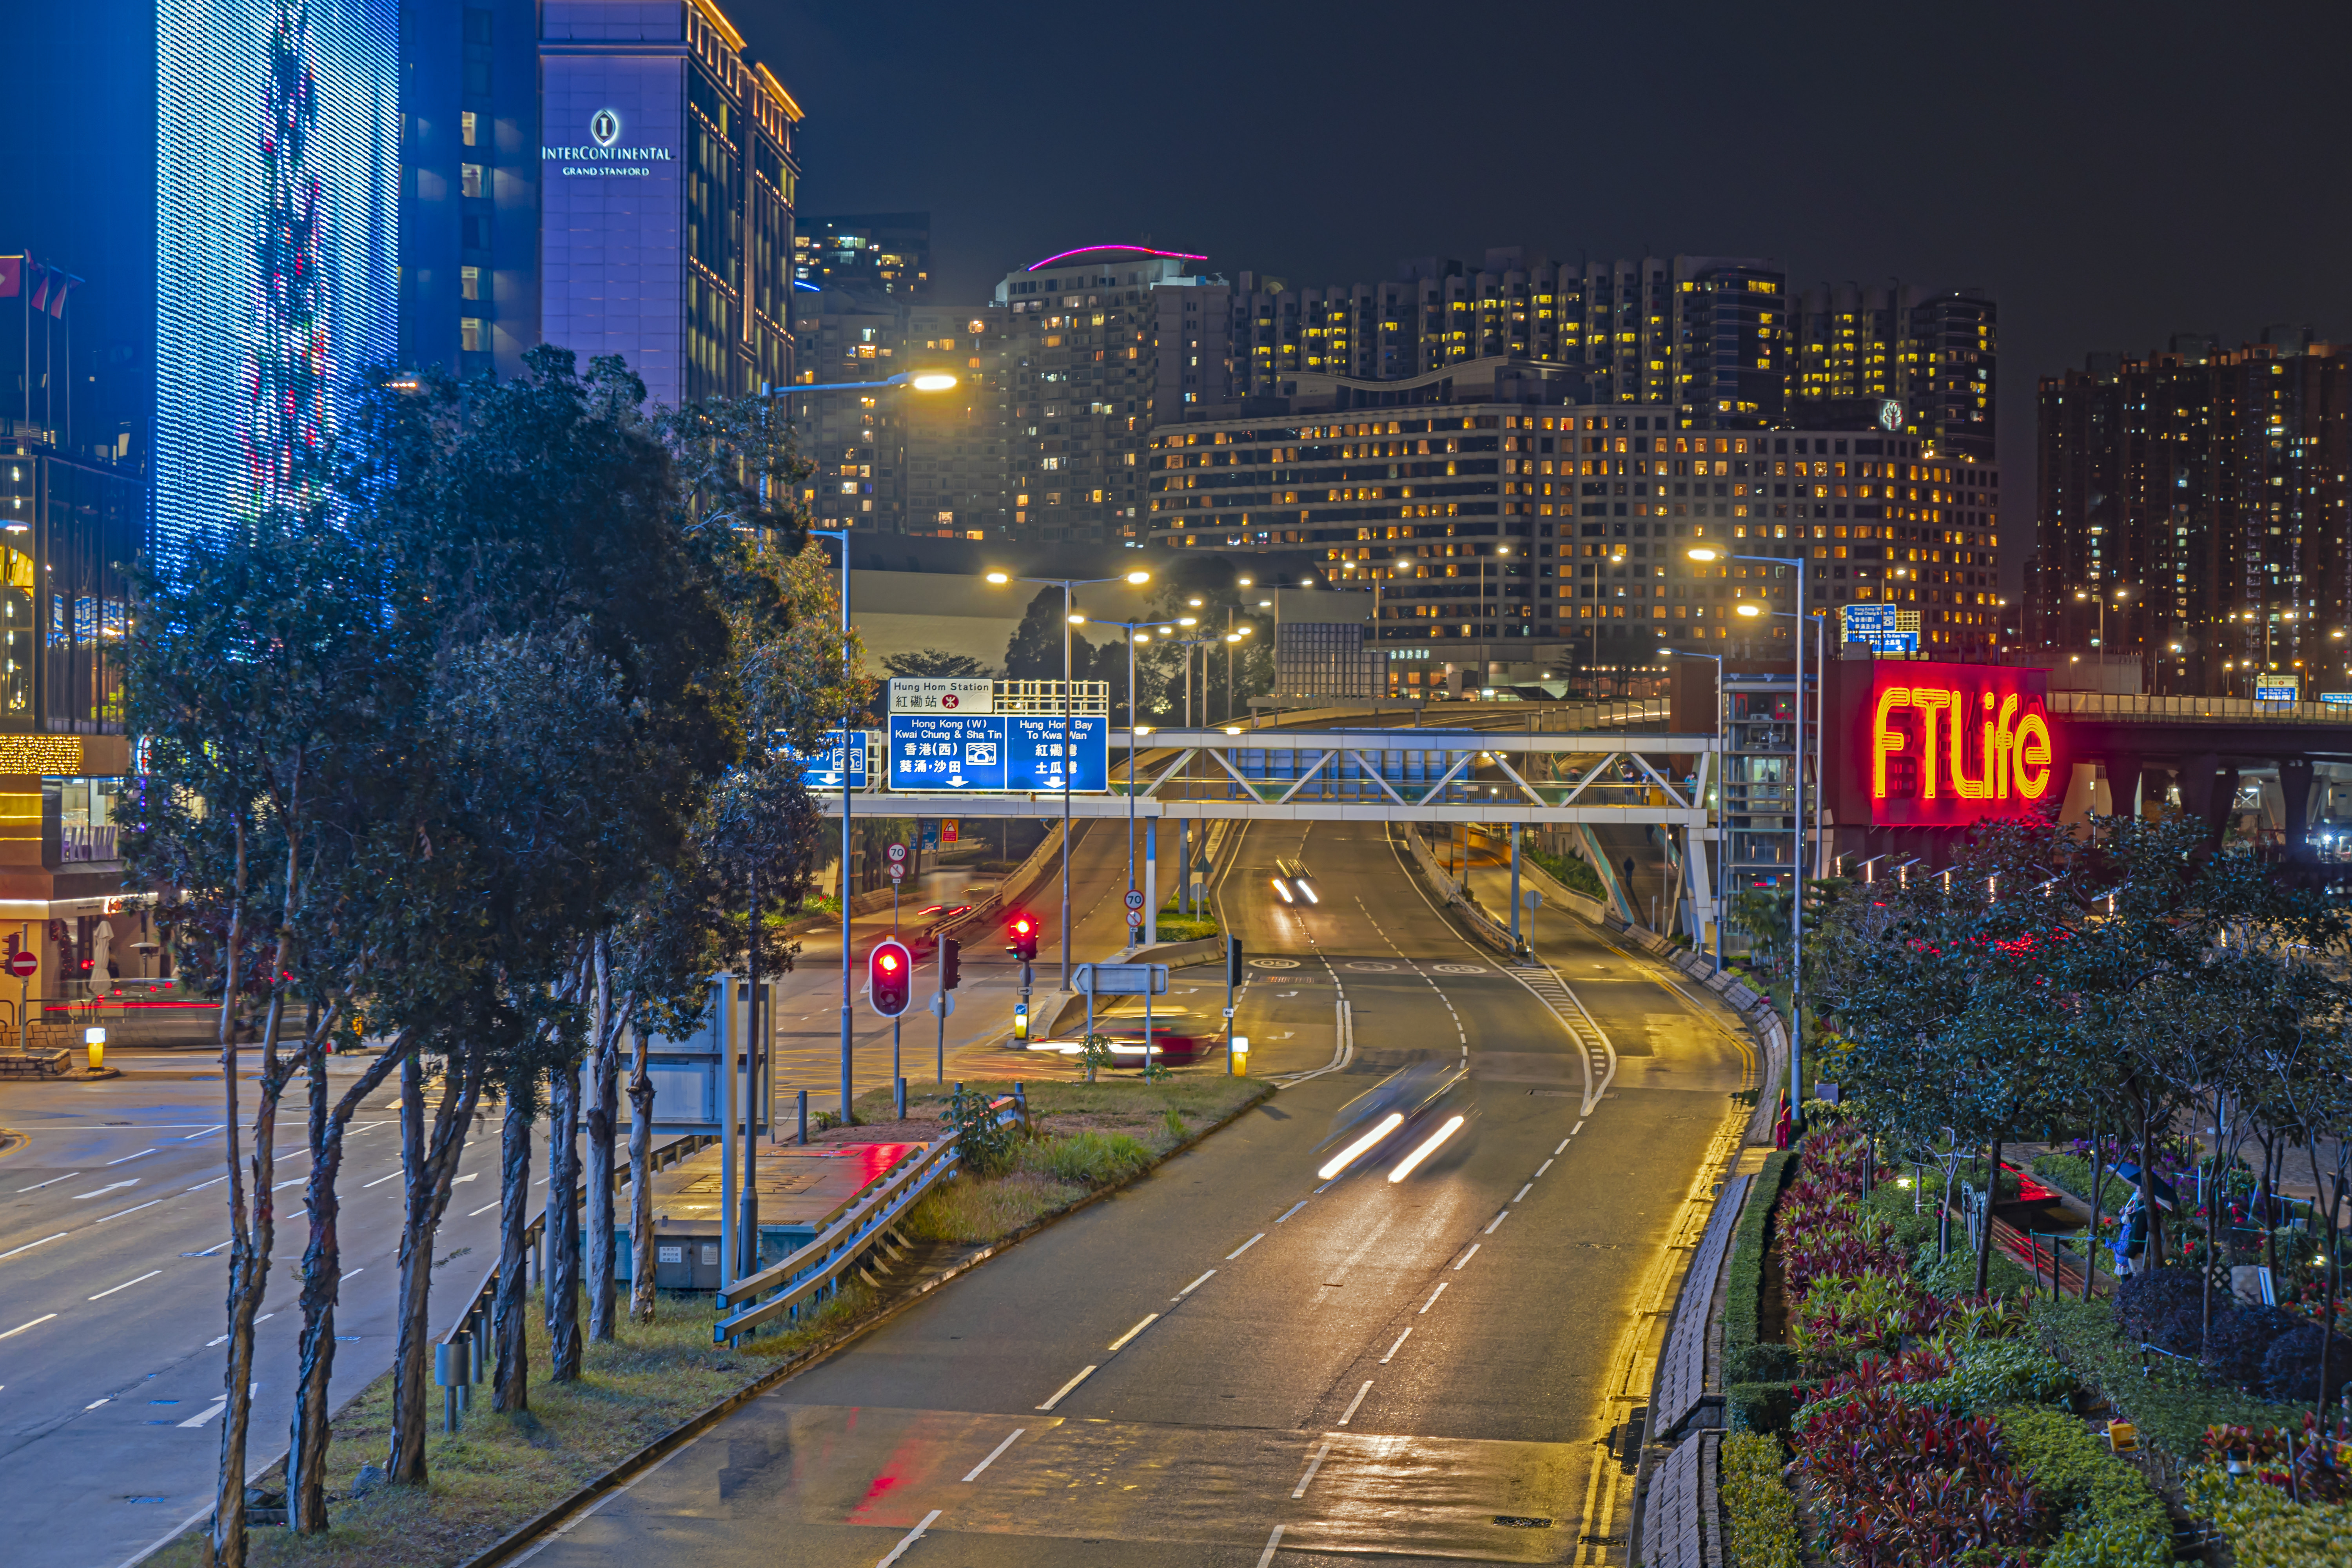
(1190, 621)
(1702, 553)
(1750, 609)
(999, 578)
(1266, 604)
(1242, 581)
(933, 380)
(1233, 636)
(1194, 603)
(1077, 620)
(1138, 577)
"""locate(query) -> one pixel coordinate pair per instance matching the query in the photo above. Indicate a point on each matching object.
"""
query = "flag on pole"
(12, 275)
(61, 283)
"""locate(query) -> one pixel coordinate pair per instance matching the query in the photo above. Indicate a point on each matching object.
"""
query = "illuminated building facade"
(883, 255)
(666, 175)
(2201, 494)
(1517, 523)
(251, 362)
(1906, 359)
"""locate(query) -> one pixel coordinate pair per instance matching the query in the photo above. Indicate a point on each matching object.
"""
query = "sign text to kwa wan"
(1950, 745)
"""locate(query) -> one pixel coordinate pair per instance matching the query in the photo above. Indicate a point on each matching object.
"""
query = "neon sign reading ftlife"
(1951, 744)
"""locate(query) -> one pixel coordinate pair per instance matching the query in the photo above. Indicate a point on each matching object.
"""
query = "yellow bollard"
(95, 1039)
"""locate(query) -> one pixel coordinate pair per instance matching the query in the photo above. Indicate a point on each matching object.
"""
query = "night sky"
(2113, 174)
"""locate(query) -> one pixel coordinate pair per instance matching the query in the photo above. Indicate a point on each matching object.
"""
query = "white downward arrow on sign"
(111, 1186)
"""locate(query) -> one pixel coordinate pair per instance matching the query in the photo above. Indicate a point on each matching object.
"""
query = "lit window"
(467, 125)
(469, 333)
(469, 179)
(469, 282)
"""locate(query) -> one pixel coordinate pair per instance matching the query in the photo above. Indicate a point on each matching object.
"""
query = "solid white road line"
(1497, 1220)
(483, 1210)
(200, 1186)
(911, 1537)
(134, 1208)
(1266, 1558)
(193, 1136)
(1130, 1333)
(96, 1403)
(1244, 1246)
(992, 1453)
(1179, 1295)
(1352, 1404)
(52, 1182)
(126, 1285)
(1467, 1255)
(1434, 1295)
(1065, 1389)
(30, 1244)
(1293, 1209)
(128, 1158)
(109, 1188)
(1545, 1166)
(1398, 1346)
(378, 1182)
(1524, 1192)
(20, 1328)
(1312, 1465)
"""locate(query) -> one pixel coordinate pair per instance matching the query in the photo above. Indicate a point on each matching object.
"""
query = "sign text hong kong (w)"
(1001, 752)
(1945, 745)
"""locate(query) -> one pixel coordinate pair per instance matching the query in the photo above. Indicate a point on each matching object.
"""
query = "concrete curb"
(525, 1535)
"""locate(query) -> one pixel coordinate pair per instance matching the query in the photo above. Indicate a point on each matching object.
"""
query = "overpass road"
(1233, 1362)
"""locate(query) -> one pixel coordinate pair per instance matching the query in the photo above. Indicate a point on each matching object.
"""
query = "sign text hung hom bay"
(1945, 745)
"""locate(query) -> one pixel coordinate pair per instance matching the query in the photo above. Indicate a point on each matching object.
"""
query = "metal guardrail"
(2228, 709)
(460, 1357)
(843, 1244)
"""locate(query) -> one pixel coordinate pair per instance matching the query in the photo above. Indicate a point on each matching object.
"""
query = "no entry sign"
(23, 965)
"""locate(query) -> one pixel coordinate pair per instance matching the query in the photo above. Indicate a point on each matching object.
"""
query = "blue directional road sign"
(823, 771)
(1003, 752)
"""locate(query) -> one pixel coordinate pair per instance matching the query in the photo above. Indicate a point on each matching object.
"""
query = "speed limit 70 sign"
(896, 854)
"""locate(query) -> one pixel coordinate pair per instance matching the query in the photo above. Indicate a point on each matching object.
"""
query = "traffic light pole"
(896, 1070)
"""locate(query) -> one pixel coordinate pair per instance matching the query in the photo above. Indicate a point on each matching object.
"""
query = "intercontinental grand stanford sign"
(605, 154)
(1945, 745)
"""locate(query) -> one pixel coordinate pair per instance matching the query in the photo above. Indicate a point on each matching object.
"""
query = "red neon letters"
(1949, 744)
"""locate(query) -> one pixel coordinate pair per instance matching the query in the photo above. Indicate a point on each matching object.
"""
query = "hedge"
(2109, 1517)
(2265, 1526)
(1743, 1296)
(1759, 1506)
(2172, 1405)
(1762, 1406)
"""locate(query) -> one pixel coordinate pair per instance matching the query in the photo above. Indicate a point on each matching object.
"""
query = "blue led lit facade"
(215, 340)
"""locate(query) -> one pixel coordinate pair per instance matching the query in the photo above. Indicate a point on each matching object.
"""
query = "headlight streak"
(1406, 1166)
(1345, 1157)
(1282, 889)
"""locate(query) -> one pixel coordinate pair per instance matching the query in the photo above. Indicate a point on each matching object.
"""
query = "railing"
(2096, 705)
(818, 1267)
(80, 841)
(460, 1357)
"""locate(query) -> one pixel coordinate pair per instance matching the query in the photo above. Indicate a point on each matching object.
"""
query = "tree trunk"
(641, 1186)
(2329, 1271)
(511, 1388)
(603, 1116)
(2213, 1253)
(250, 1253)
(1984, 1235)
(322, 1269)
(427, 1171)
(562, 1303)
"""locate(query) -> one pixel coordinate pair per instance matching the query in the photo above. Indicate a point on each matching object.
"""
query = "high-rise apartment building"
(2192, 514)
(884, 254)
(1514, 524)
(1903, 359)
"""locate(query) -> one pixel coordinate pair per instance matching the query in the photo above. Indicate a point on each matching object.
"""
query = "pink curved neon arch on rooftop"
(1133, 249)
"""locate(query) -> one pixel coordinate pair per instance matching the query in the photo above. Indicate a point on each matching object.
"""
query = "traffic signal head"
(950, 962)
(1232, 961)
(889, 977)
(1023, 930)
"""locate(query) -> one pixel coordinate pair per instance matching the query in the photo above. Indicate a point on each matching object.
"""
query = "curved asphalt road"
(1234, 1362)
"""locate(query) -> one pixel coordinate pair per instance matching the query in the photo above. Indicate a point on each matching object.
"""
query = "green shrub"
(1989, 1372)
(1761, 1406)
(2266, 1528)
(1174, 927)
(2109, 1517)
(1087, 1159)
(1761, 1511)
(1172, 1124)
(1744, 1275)
(1763, 1363)
(1568, 871)
(2071, 1173)
(1955, 1275)
(2170, 1404)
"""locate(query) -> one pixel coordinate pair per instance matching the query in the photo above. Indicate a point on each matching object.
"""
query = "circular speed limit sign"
(1134, 898)
(896, 854)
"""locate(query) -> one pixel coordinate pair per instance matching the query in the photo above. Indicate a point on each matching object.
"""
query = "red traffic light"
(890, 971)
(1025, 937)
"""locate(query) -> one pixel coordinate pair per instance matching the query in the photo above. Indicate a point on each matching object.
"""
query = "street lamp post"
(918, 381)
(1069, 618)
(1136, 631)
(1797, 820)
(1722, 847)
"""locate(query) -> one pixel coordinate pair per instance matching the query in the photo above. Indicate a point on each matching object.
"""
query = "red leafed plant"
(1902, 1485)
(2308, 1465)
